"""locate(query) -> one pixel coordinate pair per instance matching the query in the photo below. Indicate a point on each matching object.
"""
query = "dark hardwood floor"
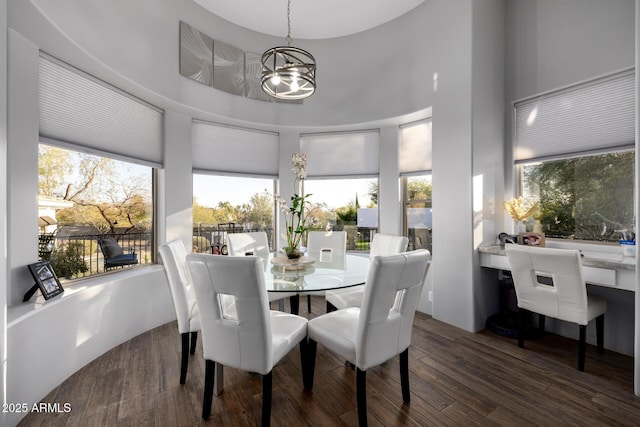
(457, 378)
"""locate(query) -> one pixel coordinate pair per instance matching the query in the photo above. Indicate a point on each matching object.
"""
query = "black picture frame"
(46, 280)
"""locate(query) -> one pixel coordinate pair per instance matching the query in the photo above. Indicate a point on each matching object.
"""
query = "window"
(415, 169)
(345, 204)
(82, 198)
(227, 204)
(574, 149)
(583, 198)
(416, 192)
(100, 148)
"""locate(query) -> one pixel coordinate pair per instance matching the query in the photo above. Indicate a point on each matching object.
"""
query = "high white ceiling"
(319, 19)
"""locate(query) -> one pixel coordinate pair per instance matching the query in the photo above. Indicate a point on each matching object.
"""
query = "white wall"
(177, 187)
(488, 142)
(452, 168)
(138, 42)
(3, 205)
(551, 44)
(49, 341)
(389, 198)
(22, 151)
(636, 370)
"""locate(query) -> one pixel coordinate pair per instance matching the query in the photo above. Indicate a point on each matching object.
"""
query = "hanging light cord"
(289, 23)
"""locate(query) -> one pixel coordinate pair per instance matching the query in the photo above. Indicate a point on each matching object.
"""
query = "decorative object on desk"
(628, 247)
(46, 281)
(520, 210)
(531, 239)
(296, 224)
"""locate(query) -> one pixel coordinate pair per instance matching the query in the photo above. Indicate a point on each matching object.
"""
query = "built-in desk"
(606, 269)
(600, 268)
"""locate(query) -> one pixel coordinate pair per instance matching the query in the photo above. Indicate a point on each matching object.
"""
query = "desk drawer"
(600, 276)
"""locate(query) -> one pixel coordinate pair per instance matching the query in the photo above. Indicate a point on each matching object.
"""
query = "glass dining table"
(322, 272)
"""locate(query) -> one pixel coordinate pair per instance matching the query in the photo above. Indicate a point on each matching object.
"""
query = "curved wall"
(379, 74)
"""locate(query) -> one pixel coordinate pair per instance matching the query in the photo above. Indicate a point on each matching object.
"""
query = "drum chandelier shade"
(288, 72)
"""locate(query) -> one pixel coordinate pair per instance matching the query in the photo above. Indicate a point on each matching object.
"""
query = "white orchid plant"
(296, 223)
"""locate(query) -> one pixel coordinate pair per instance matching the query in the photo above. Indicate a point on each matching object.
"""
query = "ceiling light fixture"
(288, 72)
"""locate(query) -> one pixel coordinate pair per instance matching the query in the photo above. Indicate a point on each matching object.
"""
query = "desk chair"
(549, 282)
(257, 243)
(257, 338)
(174, 260)
(381, 245)
(381, 328)
(326, 248)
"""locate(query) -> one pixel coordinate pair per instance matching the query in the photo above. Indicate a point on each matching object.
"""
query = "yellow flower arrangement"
(521, 209)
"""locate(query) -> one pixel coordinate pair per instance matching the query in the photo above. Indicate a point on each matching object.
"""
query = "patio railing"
(88, 248)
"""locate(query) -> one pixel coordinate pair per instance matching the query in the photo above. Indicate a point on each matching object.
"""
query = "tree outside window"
(583, 198)
(107, 196)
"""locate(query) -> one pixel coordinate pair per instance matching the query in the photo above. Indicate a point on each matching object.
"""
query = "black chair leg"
(184, 363)
(404, 375)
(194, 340)
(308, 303)
(361, 391)
(522, 321)
(295, 304)
(600, 333)
(209, 379)
(582, 347)
(310, 364)
(267, 381)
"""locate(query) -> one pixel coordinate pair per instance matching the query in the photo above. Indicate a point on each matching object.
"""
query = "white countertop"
(608, 260)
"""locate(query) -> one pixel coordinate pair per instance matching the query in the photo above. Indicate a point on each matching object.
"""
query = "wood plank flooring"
(457, 378)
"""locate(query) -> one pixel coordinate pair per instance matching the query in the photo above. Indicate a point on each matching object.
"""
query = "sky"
(209, 190)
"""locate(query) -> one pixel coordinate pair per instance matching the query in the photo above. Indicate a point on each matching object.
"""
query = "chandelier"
(288, 72)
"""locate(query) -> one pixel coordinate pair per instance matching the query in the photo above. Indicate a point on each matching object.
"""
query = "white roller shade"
(234, 150)
(594, 116)
(415, 147)
(342, 154)
(79, 109)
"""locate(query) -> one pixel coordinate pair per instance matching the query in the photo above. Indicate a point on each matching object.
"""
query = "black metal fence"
(68, 254)
(211, 238)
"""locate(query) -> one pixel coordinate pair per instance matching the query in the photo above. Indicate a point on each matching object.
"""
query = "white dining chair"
(329, 250)
(381, 245)
(257, 338)
(549, 282)
(257, 243)
(174, 260)
(381, 328)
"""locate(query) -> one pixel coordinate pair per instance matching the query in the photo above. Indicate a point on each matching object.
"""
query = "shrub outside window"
(583, 198)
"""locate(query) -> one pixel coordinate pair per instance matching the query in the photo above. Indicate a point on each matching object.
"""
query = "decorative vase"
(537, 226)
(520, 227)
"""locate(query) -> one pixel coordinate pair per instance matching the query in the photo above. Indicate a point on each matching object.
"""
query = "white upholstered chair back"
(243, 342)
(384, 327)
(566, 299)
(253, 243)
(387, 244)
(326, 247)
(174, 259)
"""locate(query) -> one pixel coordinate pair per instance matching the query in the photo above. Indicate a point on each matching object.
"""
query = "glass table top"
(340, 271)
